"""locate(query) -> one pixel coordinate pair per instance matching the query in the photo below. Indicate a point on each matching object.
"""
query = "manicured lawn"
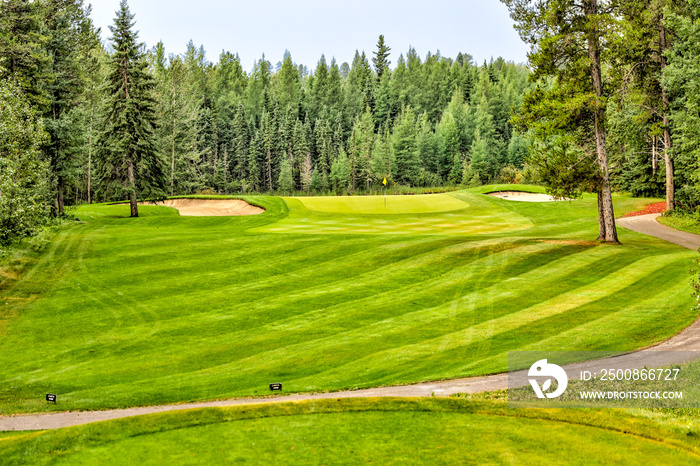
(688, 223)
(161, 309)
(381, 205)
(385, 431)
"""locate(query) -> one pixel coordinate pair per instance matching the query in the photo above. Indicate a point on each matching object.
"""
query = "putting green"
(431, 214)
(420, 204)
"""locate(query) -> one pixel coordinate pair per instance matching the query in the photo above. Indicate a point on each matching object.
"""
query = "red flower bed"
(656, 208)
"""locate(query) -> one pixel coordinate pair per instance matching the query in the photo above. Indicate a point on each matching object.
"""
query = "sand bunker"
(210, 207)
(526, 197)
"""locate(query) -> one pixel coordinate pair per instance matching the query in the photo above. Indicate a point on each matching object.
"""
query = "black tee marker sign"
(275, 386)
(51, 398)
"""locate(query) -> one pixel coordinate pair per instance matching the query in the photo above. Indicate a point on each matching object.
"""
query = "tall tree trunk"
(670, 188)
(132, 189)
(89, 180)
(172, 163)
(269, 170)
(61, 201)
(601, 216)
(593, 41)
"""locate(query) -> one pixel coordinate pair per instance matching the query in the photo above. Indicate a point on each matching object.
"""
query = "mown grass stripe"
(340, 342)
(613, 283)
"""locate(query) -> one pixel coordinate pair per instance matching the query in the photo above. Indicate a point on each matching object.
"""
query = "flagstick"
(384, 183)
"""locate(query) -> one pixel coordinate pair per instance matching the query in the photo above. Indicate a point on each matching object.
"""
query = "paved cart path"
(648, 225)
(676, 350)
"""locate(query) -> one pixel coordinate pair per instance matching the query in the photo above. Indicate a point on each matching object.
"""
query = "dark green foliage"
(682, 78)
(324, 113)
(70, 38)
(404, 147)
(22, 47)
(24, 177)
(130, 163)
(213, 128)
(381, 58)
(288, 85)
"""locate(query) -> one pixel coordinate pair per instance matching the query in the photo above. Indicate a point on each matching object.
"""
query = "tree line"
(615, 104)
(608, 102)
(208, 127)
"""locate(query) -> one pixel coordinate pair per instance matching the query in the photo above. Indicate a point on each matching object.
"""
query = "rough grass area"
(384, 431)
(689, 223)
(162, 309)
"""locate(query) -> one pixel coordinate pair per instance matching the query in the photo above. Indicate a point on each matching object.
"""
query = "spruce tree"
(405, 150)
(285, 180)
(288, 86)
(70, 37)
(381, 58)
(22, 52)
(129, 158)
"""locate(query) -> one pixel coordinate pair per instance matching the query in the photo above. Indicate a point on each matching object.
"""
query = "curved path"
(679, 349)
(648, 225)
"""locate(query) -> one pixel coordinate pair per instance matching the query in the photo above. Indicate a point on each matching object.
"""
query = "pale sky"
(309, 28)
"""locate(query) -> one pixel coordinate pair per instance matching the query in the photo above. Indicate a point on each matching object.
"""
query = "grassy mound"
(161, 309)
(386, 431)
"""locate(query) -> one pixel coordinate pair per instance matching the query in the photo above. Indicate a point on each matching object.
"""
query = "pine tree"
(552, 29)
(382, 158)
(70, 36)
(319, 92)
(642, 55)
(269, 148)
(340, 173)
(361, 150)
(129, 158)
(307, 172)
(316, 182)
(681, 77)
(381, 58)
(456, 172)
(285, 180)
(449, 145)
(288, 84)
(334, 95)
(481, 160)
(255, 151)
(384, 109)
(406, 162)
(241, 144)
(22, 52)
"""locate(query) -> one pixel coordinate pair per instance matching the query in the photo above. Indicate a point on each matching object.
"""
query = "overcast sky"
(309, 28)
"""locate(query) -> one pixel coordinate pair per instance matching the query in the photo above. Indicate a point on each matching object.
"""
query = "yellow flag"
(384, 182)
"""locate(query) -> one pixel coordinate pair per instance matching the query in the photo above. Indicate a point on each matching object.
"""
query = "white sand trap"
(210, 207)
(525, 197)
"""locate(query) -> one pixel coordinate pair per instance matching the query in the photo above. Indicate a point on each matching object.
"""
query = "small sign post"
(51, 398)
(276, 387)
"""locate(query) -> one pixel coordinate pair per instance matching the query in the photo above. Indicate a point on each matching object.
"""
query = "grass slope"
(161, 309)
(387, 431)
(687, 223)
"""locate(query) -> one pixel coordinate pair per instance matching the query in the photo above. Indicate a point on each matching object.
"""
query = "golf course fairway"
(160, 309)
